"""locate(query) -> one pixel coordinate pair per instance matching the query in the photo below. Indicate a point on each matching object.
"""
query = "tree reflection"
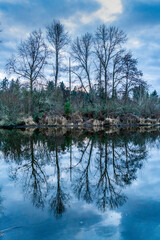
(82, 186)
(94, 167)
(107, 185)
(31, 173)
(59, 198)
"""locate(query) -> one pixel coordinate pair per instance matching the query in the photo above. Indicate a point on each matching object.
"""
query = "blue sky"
(140, 19)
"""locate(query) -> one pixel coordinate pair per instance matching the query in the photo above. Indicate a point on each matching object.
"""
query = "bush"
(67, 108)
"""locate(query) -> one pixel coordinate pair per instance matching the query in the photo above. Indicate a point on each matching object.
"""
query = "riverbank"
(77, 120)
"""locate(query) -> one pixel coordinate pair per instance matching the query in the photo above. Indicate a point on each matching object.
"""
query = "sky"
(139, 19)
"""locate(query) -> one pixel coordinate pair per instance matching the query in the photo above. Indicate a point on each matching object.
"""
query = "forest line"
(93, 75)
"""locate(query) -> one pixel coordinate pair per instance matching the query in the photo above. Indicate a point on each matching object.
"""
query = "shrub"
(67, 108)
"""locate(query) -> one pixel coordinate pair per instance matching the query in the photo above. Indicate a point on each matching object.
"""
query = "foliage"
(67, 108)
(14, 100)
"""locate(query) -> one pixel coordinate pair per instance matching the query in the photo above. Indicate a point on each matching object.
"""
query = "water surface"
(80, 185)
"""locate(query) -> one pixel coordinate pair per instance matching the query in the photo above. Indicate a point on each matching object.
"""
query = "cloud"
(2, 75)
(107, 12)
(145, 48)
(134, 43)
(71, 23)
(17, 32)
(138, 14)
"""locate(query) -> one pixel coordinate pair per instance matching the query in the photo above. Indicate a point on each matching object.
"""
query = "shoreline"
(10, 127)
(78, 121)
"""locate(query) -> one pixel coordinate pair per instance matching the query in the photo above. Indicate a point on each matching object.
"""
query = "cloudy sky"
(140, 19)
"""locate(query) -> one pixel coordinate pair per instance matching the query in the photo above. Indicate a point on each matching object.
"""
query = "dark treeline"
(58, 75)
(96, 169)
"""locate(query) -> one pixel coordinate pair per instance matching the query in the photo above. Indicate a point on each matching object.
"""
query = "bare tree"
(58, 39)
(117, 72)
(108, 42)
(98, 70)
(30, 61)
(81, 53)
(131, 75)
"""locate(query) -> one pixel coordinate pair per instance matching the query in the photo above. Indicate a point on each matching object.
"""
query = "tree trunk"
(31, 98)
(70, 79)
(106, 83)
(57, 69)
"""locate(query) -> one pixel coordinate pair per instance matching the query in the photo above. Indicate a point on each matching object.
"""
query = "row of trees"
(100, 62)
(93, 74)
(14, 99)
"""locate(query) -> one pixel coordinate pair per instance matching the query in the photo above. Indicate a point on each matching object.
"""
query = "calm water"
(80, 185)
